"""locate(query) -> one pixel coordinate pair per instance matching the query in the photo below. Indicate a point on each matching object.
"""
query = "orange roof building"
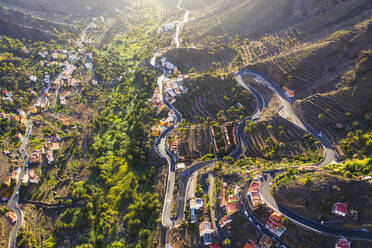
(11, 216)
(250, 244)
(275, 219)
(274, 224)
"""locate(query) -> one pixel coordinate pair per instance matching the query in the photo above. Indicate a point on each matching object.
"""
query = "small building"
(340, 209)
(250, 244)
(25, 178)
(180, 166)
(6, 181)
(224, 221)
(307, 168)
(265, 241)
(35, 158)
(214, 246)
(74, 82)
(207, 239)
(33, 110)
(11, 216)
(65, 121)
(62, 100)
(33, 78)
(174, 145)
(231, 208)
(50, 157)
(32, 178)
(343, 243)
(19, 136)
(155, 131)
(195, 204)
(289, 93)
(163, 122)
(15, 176)
(205, 228)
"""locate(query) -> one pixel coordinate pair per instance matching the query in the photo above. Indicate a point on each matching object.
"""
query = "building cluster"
(164, 124)
(7, 95)
(227, 208)
(155, 101)
(55, 55)
(18, 119)
(254, 193)
(174, 87)
(8, 182)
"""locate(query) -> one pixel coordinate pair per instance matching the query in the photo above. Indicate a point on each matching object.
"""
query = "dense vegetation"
(121, 208)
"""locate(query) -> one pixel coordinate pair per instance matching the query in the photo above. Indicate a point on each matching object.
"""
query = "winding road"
(287, 112)
(330, 156)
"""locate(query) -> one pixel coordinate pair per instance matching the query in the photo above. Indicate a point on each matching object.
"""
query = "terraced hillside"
(222, 102)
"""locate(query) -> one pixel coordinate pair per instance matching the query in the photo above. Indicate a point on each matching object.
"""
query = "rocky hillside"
(19, 24)
(81, 7)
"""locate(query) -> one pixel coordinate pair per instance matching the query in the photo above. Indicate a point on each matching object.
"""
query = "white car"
(246, 213)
